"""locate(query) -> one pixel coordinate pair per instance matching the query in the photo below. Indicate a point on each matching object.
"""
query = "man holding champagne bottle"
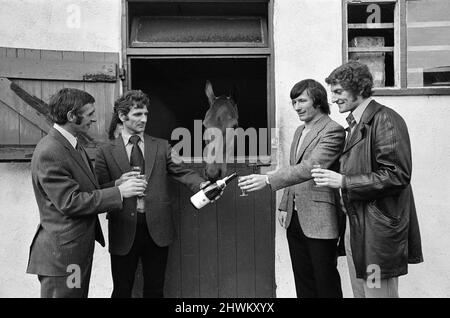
(310, 214)
(145, 228)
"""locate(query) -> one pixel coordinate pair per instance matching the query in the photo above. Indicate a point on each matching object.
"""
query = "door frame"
(128, 53)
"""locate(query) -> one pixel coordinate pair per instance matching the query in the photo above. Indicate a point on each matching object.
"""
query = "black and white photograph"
(230, 151)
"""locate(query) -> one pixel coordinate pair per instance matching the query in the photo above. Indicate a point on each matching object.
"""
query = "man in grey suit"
(69, 199)
(310, 214)
(144, 229)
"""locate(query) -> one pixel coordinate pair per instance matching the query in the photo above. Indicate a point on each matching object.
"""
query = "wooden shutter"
(27, 80)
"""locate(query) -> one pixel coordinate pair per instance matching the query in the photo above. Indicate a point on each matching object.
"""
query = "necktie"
(83, 155)
(351, 121)
(136, 158)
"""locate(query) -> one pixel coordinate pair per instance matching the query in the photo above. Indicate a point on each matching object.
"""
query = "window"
(198, 24)
(154, 31)
(428, 38)
(405, 43)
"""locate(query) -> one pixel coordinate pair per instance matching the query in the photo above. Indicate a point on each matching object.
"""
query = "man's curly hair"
(123, 105)
(354, 77)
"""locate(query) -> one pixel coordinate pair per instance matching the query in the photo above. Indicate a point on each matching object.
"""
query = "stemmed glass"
(138, 170)
(243, 193)
(316, 164)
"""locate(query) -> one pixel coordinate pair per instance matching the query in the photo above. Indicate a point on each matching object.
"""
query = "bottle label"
(199, 200)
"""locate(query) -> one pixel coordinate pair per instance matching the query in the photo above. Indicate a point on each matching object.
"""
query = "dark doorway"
(227, 248)
(176, 90)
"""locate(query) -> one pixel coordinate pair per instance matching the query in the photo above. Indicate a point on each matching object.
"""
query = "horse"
(221, 114)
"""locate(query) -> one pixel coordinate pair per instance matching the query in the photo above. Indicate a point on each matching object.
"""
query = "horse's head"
(222, 114)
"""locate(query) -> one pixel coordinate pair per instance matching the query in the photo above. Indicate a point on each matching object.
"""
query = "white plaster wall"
(308, 37)
(19, 217)
(54, 24)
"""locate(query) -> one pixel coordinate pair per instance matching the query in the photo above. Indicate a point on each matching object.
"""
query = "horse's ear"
(233, 93)
(209, 93)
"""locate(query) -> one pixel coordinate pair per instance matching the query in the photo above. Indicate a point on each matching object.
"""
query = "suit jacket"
(69, 199)
(377, 167)
(319, 210)
(112, 161)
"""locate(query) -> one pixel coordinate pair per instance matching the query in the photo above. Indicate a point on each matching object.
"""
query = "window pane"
(428, 38)
(371, 38)
(197, 30)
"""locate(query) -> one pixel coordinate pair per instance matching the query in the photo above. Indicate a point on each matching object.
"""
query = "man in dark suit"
(382, 235)
(69, 199)
(145, 227)
(310, 214)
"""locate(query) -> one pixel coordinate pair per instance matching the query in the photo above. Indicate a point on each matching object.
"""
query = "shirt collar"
(358, 111)
(126, 136)
(313, 123)
(70, 138)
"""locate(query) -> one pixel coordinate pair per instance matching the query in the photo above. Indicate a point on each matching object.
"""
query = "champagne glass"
(316, 164)
(138, 170)
(243, 193)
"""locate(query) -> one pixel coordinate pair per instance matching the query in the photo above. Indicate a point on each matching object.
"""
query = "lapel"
(360, 129)
(295, 141)
(311, 136)
(151, 146)
(74, 154)
(120, 154)
(92, 170)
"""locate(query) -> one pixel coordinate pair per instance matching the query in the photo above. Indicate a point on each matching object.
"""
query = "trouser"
(75, 285)
(153, 258)
(387, 288)
(314, 262)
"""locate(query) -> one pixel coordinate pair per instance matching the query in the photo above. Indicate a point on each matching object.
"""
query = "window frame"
(400, 52)
(178, 44)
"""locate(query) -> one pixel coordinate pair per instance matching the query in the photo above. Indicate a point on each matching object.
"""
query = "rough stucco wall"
(307, 36)
(428, 120)
(71, 25)
(19, 218)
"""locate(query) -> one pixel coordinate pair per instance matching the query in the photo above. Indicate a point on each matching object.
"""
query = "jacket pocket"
(71, 235)
(382, 217)
(322, 196)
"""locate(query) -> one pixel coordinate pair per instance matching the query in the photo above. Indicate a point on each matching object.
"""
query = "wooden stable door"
(224, 250)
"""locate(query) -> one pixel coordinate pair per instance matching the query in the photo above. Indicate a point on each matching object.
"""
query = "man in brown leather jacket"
(382, 234)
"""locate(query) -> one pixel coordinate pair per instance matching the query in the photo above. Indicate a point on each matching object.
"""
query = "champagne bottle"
(212, 191)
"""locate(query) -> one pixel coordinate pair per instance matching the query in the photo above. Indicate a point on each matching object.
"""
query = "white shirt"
(305, 132)
(70, 138)
(359, 111)
(129, 146)
(302, 137)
